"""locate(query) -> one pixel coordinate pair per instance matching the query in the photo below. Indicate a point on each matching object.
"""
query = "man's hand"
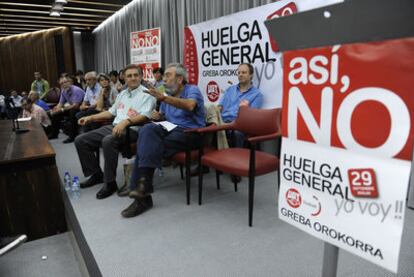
(119, 128)
(119, 87)
(83, 107)
(155, 115)
(244, 103)
(57, 109)
(157, 94)
(84, 120)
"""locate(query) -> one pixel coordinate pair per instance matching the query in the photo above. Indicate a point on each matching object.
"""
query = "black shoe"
(194, 172)
(124, 191)
(235, 179)
(95, 179)
(69, 140)
(107, 190)
(138, 207)
(144, 188)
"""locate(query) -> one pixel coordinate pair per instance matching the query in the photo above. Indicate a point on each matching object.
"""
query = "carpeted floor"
(214, 239)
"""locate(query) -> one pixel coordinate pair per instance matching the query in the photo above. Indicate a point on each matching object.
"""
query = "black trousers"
(71, 123)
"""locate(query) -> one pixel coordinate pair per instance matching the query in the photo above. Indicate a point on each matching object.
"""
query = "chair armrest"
(256, 139)
(211, 128)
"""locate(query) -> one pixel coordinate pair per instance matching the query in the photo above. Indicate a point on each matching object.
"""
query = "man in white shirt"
(132, 106)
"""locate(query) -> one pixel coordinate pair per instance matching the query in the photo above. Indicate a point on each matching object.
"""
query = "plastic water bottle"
(67, 181)
(75, 188)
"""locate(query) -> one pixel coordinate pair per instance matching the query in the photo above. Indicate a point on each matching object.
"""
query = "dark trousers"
(72, 123)
(154, 144)
(88, 143)
(236, 139)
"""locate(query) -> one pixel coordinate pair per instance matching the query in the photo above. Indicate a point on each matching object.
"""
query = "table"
(30, 190)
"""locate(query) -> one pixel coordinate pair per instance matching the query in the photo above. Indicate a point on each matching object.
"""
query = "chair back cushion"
(258, 122)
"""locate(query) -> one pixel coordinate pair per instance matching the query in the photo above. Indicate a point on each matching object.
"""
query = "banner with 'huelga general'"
(213, 50)
(347, 145)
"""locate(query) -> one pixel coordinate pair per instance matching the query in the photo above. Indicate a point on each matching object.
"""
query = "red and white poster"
(146, 50)
(213, 50)
(347, 145)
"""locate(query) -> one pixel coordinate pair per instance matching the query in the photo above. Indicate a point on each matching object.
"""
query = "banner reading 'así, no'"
(146, 50)
(213, 50)
(347, 145)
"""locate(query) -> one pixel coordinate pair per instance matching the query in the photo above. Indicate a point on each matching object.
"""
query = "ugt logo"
(293, 198)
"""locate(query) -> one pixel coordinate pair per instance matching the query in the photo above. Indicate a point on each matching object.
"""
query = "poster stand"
(347, 22)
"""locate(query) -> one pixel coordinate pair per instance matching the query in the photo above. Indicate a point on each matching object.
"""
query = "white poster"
(347, 145)
(213, 50)
(146, 50)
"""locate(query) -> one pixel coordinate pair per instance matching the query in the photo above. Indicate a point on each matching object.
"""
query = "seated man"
(184, 107)
(132, 107)
(32, 110)
(70, 100)
(92, 93)
(34, 97)
(238, 95)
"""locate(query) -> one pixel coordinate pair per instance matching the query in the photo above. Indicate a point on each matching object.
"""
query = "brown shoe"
(138, 207)
(142, 190)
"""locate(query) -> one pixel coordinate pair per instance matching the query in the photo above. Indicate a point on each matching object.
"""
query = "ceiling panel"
(23, 16)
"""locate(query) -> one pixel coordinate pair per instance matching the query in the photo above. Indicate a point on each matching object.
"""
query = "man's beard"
(171, 89)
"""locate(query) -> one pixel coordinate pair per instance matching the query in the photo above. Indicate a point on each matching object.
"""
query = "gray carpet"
(214, 239)
(26, 260)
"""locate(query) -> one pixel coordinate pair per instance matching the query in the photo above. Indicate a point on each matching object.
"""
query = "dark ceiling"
(22, 16)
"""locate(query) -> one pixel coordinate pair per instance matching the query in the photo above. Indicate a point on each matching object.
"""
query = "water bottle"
(75, 188)
(67, 181)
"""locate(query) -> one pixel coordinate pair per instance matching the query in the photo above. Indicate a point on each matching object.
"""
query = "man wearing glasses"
(69, 103)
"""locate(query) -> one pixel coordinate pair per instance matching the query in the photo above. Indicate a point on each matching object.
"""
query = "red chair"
(258, 125)
(184, 158)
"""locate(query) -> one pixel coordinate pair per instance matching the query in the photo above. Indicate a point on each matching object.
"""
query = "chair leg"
(235, 187)
(188, 180)
(218, 179)
(200, 184)
(251, 196)
(181, 172)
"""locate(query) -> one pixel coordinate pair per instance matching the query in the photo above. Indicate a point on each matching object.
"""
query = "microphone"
(13, 244)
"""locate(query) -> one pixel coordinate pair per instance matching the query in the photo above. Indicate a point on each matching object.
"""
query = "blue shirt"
(42, 104)
(92, 94)
(233, 96)
(183, 118)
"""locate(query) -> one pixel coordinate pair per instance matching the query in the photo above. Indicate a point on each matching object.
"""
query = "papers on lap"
(166, 125)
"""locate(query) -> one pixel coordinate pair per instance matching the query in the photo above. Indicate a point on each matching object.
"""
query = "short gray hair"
(179, 70)
(91, 74)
